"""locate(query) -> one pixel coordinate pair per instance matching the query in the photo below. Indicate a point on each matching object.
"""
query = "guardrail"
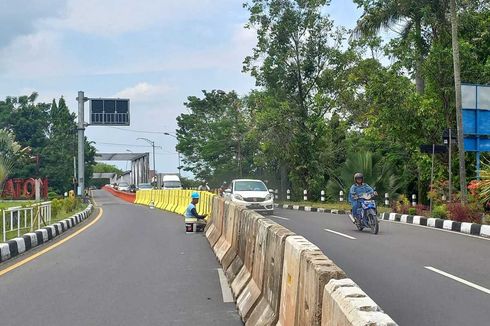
(18, 218)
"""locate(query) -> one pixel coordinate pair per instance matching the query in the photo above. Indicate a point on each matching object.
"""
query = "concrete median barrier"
(266, 311)
(345, 304)
(316, 270)
(276, 277)
(231, 234)
(223, 244)
(250, 221)
(215, 225)
(253, 289)
(293, 250)
(237, 263)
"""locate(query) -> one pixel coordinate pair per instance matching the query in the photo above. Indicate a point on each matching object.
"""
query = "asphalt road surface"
(135, 266)
(409, 271)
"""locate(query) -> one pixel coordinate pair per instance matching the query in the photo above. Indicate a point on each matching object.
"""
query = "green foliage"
(100, 167)
(326, 106)
(48, 131)
(377, 173)
(439, 211)
(213, 137)
(70, 204)
(10, 151)
(57, 206)
(412, 211)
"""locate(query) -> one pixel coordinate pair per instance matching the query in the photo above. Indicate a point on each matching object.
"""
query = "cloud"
(21, 17)
(111, 18)
(36, 54)
(145, 91)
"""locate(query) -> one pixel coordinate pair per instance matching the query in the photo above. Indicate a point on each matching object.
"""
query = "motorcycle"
(366, 215)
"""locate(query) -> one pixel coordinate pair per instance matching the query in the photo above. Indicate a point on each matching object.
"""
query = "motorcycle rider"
(357, 189)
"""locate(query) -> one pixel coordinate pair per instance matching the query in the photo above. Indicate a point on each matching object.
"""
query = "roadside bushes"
(460, 213)
(56, 206)
(64, 205)
(440, 211)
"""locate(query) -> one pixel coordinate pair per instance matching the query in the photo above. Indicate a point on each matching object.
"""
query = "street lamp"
(152, 143)
(178, 153)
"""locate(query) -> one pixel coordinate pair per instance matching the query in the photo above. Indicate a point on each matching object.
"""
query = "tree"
(106, 168)
(296, 46)
(390, 14)
(10, 151)
(47, 131)
(459, 111)
(57, 155)
(213, 137)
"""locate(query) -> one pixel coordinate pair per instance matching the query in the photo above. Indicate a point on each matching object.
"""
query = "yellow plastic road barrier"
(175, 201)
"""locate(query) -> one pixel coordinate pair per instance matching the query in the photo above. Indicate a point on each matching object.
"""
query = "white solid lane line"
(225, 288)
(281, 218)
(473, 285)
(341, 234)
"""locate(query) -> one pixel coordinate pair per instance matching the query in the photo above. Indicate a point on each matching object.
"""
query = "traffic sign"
(109, 111)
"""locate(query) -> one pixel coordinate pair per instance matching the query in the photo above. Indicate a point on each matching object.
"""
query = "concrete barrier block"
(214, 230)
(227, 233)
(345, 304)
(21, 245)
(250, 234)
(221, 244)
(4, 252)
(316, 270)
(232, 232)
(222, 213)
(466, 227)
(447, 225)
(293, 249)
(253, 289)
(237, 263)
(266, 312)
(485, 231)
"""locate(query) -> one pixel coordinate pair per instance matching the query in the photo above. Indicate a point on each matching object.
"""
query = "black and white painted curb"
(28, 241)
(463, 227)
(311, 209)
(437, 223)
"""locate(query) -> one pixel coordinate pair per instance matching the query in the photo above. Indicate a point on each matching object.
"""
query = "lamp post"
(152, 143)
(178, 153)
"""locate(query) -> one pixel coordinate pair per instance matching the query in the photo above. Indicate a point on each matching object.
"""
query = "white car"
(252, 194)
(123, 186)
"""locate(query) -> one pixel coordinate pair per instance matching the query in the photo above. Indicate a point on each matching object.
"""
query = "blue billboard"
(476, 119)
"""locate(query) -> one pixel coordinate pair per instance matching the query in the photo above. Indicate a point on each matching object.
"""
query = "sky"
(154, 52)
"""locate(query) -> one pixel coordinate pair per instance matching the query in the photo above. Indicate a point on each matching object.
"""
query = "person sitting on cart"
(358, 188)
(191, 211)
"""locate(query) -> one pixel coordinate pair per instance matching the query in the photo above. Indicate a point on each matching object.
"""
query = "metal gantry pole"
(81, 143)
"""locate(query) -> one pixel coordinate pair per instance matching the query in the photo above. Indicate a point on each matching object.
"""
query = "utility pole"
(81, 143)
(457, 89)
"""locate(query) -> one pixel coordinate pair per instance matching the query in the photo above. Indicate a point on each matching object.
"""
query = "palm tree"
(9, 150)
(377, 173)
(389, 14)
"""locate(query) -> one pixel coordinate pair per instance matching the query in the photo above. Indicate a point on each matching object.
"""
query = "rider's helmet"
(358, 176)
(195, 195)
